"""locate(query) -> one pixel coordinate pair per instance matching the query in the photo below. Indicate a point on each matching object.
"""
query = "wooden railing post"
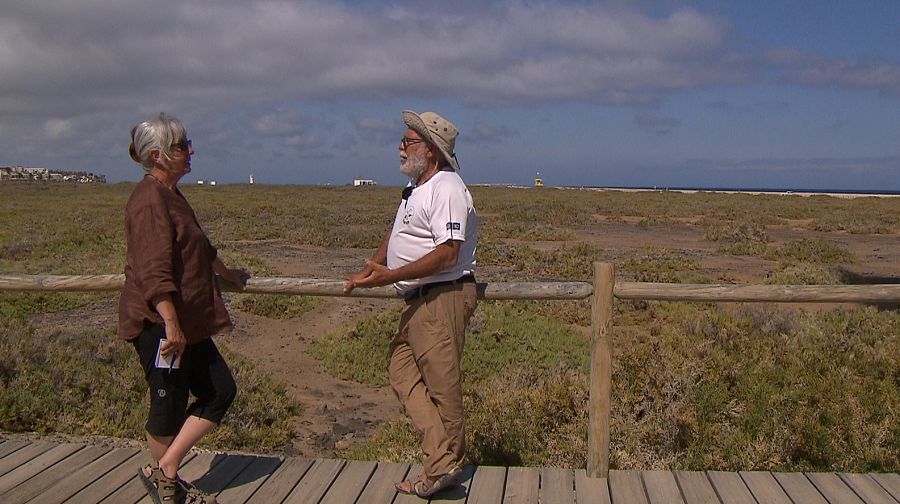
(601, 370)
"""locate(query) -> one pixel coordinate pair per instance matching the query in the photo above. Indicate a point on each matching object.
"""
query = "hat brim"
(415, 123)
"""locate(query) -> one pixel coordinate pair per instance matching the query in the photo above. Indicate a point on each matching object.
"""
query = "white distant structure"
(201, 182)
(212, 182)
(251, 179)
(357, 182)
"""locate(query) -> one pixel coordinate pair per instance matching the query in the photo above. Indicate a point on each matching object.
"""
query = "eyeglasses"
(406, 141)
(183, 144)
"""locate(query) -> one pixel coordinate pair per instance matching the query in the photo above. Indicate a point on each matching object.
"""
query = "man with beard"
(429, 256)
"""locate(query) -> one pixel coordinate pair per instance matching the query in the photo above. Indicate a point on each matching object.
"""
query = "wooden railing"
(603, 291)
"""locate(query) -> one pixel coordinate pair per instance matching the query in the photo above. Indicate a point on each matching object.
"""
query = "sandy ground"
(338, 413)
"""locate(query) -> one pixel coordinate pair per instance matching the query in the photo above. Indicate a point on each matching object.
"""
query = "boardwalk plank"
(696, 487)
(380, 489)
(557, 485)
(282, 481)
(26, 471)
(590, 490)
(222, 472)
(626, 486)
(250, 479)
(133, 489)
(112, 481)
(78, 474)
(523, 485)
(765, 487)
(869, 490)
(833, 488)
(661, 487)
(487, 485)
(414, 471)
(730, 488)
(37, 484)
(316, 482)
(350, 482)
(86, 475)
(10, 446)
(798, 487)
(890, 482)
(22, 456)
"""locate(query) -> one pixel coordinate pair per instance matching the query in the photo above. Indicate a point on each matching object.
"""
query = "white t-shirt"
(441, 209)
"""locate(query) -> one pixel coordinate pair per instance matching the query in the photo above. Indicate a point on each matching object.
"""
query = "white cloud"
(657, 124)
(56, 128)
(812, 70)
(113, 54)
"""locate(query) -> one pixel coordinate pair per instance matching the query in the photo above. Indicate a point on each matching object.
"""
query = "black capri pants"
(203, 373)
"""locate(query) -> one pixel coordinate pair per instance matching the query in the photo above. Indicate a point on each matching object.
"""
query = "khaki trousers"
(425, 371)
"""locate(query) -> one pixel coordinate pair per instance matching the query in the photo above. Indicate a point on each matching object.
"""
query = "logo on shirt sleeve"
(453, 226)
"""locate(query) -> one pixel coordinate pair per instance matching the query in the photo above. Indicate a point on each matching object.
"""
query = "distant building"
(212, 182)
(363, 182)
(201, 182)
(251, 179)
(27, 174)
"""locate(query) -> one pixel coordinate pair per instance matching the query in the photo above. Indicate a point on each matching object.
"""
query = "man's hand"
(379, 275)
(373, 275)
(354, 279)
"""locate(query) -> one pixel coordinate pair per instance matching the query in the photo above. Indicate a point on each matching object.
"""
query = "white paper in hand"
(166, 362)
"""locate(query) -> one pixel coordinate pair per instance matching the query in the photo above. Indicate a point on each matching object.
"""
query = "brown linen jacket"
(168, 252)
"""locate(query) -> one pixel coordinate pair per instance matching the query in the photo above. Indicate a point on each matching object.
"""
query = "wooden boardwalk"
(42, 472)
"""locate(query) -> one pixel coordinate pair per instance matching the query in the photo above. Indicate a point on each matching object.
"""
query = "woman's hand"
(236, 277)
(175, 341)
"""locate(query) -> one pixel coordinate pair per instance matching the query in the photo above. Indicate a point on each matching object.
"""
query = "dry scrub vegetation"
(696, 386)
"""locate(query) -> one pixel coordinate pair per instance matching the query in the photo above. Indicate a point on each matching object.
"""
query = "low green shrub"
(359, 352)
(804, 274)
(759, 387)
(663, 266)
(277, 306)
(88, 382)
(743, 232)
(20, 306)
(814, 250)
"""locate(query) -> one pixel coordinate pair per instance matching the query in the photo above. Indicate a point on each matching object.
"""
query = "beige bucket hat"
(435, 130)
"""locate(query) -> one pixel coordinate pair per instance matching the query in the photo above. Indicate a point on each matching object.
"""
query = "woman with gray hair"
(171, 306)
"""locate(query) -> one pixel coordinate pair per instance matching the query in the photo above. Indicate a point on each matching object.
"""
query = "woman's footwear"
(195, 495)
(161, 489)
(425, 487)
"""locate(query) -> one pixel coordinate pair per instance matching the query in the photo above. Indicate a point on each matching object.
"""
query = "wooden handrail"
(299, 286)
(876, 293)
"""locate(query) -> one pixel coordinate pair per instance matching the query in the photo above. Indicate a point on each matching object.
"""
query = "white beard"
(414, 166)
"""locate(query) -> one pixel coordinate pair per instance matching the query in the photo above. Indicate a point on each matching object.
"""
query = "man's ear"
(155, 154)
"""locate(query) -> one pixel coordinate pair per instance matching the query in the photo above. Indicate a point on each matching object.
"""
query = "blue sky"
(667, 93)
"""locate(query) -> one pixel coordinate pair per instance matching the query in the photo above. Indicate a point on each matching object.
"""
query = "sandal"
(423, 487)
(161, 489)
(195, 495)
